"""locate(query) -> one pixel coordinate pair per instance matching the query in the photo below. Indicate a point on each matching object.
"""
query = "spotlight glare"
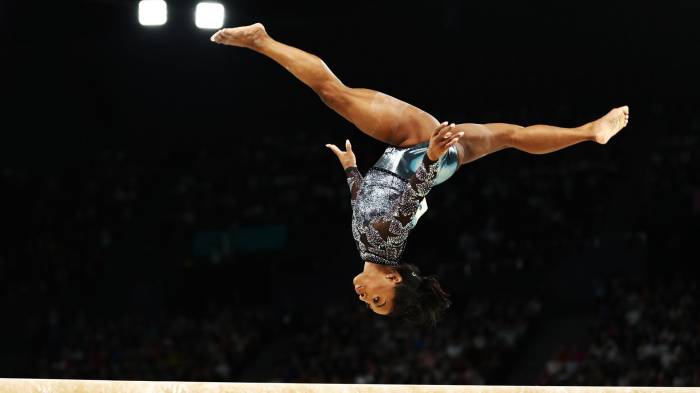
(209, 15)
(153, 12)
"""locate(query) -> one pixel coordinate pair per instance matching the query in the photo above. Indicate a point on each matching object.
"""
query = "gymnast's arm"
(354, 182)
(347, 160)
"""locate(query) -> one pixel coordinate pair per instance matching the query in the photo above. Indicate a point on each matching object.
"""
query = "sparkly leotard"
(389, 200)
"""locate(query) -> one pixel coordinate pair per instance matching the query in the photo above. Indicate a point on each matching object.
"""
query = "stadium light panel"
(153, 12)
(209, 15)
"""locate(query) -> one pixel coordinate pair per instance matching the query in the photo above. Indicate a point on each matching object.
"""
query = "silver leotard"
(389, 200)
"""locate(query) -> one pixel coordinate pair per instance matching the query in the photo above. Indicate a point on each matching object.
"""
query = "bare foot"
(607, 126)
(244, 36)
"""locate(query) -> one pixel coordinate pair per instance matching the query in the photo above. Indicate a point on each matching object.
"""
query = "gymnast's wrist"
(430, 160)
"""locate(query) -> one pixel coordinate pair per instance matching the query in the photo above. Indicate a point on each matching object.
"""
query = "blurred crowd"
(342, 344)
(475, 344)
(644, 335)
(213, 346)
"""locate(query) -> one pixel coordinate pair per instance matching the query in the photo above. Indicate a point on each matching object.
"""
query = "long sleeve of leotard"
(354, 178)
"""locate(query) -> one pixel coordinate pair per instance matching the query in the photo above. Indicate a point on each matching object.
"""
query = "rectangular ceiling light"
(209, 15)
(153, 12)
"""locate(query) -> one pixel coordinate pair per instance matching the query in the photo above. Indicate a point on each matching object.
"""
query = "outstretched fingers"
(347, 157)
(334, 149)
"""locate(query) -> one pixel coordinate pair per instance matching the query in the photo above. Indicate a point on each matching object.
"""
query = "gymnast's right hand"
(347, 157)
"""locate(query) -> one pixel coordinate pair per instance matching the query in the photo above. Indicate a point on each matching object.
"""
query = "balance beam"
(85, 386)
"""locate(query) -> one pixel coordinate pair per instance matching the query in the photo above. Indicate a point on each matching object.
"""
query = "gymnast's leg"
(379, 115)
(480, 140)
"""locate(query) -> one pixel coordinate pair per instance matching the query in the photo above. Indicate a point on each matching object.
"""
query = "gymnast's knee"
(333, 93)
(507, 136)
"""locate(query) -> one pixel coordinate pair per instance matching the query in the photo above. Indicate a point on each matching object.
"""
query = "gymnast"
(422, 152)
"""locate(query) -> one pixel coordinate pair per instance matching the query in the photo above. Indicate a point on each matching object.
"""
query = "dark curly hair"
(418, 300)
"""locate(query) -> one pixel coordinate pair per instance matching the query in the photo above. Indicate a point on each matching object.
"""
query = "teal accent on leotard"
(403, 161)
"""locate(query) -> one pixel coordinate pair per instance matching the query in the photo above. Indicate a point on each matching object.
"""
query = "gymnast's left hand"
(442, 139)
(347, 157)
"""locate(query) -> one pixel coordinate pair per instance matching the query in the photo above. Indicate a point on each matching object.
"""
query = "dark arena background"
(170, 211)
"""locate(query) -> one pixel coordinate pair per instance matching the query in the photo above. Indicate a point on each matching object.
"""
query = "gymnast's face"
(376, 286)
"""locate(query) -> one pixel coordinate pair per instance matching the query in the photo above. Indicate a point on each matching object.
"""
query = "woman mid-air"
(388, 201)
